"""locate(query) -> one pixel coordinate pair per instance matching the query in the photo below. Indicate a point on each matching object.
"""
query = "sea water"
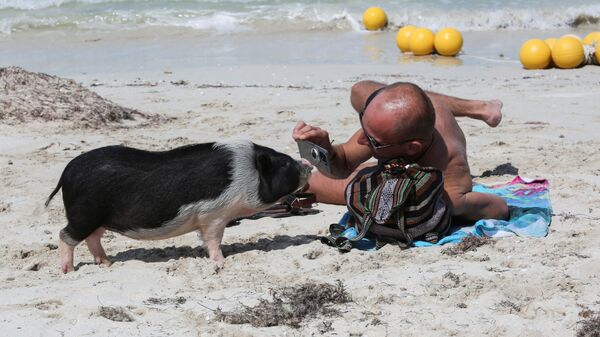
(70, 35)
(233, 16)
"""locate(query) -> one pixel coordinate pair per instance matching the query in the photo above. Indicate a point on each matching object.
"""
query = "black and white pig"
(156, 195)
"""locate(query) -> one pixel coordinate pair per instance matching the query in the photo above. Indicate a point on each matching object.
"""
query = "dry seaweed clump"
(469, 243)
(26, 96)
(589, 327)
(502, 169)
(116, 314)
(290, 305)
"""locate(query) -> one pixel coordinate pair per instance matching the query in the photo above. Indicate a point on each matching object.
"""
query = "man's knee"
(359, 87)
(360, 91)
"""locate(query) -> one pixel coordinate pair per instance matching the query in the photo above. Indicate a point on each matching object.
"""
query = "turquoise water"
(250, 16)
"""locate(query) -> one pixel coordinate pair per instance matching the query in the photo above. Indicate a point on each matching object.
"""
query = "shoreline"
(69, 55)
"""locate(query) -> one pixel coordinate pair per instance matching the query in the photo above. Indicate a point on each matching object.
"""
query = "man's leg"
(473, 206)
(361, 91)
(486, 111)
(469, 205)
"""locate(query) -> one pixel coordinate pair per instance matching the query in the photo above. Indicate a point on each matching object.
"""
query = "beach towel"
(530, 214)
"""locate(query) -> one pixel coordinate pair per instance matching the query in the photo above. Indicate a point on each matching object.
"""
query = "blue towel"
(530, 214)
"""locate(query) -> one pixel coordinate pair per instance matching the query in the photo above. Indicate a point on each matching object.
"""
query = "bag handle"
(365, 228)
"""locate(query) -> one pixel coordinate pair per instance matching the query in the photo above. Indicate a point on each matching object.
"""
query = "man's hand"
(303, 131)
(344, 158)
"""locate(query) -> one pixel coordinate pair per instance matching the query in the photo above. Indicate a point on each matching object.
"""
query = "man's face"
(379, 135)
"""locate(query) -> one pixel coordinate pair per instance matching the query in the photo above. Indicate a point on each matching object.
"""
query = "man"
(402, 121)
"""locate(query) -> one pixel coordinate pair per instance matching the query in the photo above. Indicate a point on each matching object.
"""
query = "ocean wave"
(503, 19)
(222, 22)
(43, 4)
(255, 15)
(29, 4)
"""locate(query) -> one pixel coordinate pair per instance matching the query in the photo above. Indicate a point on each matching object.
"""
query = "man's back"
(448, 153)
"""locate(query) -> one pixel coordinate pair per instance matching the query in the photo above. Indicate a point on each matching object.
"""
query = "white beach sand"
(518, 286)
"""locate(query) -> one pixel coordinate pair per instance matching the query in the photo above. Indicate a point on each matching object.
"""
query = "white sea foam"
(42, 4)
(220, 22)
(282, 16)
(499, 19)
(29, 4)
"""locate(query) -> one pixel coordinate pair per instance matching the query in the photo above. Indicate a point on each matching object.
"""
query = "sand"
(517, 286)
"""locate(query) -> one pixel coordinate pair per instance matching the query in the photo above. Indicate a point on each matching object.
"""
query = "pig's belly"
(188, 222)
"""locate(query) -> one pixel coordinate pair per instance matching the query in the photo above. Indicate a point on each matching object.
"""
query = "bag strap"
(368, 222)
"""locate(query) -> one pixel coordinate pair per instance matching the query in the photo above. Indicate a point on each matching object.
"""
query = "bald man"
(401, 121)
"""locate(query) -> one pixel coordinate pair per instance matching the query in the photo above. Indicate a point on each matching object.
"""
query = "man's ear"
(415, 146)
(263, 163)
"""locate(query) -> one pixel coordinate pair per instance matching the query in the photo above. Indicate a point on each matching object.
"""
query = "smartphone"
(315, 154)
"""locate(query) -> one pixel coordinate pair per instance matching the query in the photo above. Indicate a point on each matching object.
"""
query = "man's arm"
(344, 158)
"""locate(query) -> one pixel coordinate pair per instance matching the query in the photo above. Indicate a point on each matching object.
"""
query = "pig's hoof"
(218, 266)
(67, 268)
(218, 256)
(103, 262)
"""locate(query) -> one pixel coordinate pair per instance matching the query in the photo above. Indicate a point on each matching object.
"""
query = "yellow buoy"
(598, 53)
(592, 37)
(567, 52)
(573, 35)
(403, 38)
(448, 41)
(535, 54)
(551, 41)
(374, 18)
(421, 41)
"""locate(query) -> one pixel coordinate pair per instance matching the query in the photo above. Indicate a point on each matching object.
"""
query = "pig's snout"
(305, 164)
(305, 172)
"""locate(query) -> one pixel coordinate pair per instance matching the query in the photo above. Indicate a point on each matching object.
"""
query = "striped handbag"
(398, 203)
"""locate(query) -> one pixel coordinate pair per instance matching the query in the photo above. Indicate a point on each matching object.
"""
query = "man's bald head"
(401, 111)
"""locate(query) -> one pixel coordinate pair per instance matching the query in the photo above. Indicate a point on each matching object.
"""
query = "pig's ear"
(263, 163)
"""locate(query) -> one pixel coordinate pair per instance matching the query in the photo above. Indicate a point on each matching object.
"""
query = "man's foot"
(491, 112)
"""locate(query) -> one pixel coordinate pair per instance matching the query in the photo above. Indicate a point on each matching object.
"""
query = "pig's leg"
(71, 236)
(66, 256)
(95, 246)
(212, 235)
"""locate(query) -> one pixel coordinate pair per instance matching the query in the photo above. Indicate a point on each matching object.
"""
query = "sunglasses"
(372, 141)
